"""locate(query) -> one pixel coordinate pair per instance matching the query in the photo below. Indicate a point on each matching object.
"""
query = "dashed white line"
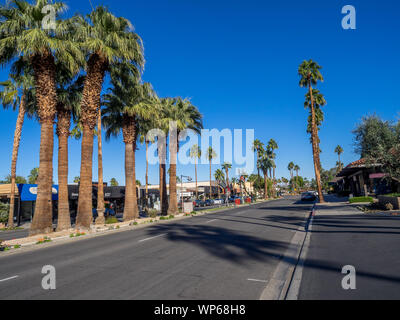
(11, 278)
(257, 280)
(147, 239)
(211, 221)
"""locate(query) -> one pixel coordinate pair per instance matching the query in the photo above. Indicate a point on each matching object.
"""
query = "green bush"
(152, 213)
(361, 199)
(4, 209)
(395, 195)
(111, 220)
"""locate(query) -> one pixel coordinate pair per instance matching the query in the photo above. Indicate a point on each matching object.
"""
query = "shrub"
(4, 209)
(395, 195)
(111, 220)
(361, 199)
(152, 213)
(17, 246)
(171, 216)
(44, 240)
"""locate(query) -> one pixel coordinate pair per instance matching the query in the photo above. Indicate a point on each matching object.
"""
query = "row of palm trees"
(266, 163)
(57, 75)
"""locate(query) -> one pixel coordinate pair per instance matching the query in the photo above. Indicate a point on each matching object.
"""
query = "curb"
(281, 285)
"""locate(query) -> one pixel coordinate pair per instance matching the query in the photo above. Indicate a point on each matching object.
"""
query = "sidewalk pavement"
(340, 236)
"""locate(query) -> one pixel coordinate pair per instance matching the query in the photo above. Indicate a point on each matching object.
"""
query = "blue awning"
(28, 192)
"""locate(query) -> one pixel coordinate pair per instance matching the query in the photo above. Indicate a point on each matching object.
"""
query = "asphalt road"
(15, 234)
(343, 236)
(228, 255)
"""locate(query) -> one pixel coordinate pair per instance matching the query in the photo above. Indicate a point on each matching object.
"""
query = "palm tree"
(69, 94)
(186, 116)
(319, 102)
(310, 74)
(339, 151)
(226, 166)
(266, 164)
(195, 153)
(105, 39)
(258, 147)
(297, 169)
(127, 103)
(272, 146)
(33, 176)
(211, 154)
(219, 177)
(146, 139)
(22, 35)
(291, 168)
(12, 97)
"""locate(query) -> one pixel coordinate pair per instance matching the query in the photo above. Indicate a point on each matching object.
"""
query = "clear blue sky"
(238, 62)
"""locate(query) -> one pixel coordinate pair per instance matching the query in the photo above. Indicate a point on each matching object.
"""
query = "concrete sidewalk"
(341, 235)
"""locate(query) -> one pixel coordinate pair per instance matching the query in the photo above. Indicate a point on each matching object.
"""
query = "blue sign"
(28, 192)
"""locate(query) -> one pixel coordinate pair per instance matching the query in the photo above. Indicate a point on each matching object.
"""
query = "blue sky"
(237, 61)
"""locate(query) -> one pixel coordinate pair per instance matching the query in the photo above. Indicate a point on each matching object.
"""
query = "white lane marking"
(257, 280)
(11, 278)
(211, 221)
(147, 239)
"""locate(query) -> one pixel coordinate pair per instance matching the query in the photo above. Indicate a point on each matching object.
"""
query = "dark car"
(308, 196)
(209, 202)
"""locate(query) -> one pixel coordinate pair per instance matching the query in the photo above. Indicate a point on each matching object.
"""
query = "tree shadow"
(236, 247)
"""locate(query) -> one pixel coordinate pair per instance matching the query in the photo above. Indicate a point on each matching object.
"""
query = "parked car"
(308, 196)
(219, 201)
(196, 203)
(209, 202)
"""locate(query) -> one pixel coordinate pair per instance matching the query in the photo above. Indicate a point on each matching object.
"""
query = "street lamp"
(188, 179)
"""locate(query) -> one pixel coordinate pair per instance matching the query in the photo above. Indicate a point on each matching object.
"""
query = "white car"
(218, 201)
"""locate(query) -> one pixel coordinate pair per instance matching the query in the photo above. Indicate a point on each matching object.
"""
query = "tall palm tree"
(100, 185)
(309, 72)
(258, 147)
(297, 169)
(15, 93)
(226, 166)
(211, 154)
(186, 116)
(319, 102)
(105, 39)
(266, 164)
(21, 34)
(145, 138)
(195, 153)
(126, 104)
(339, 152)
(291, 168)
(69, 92)
(219, 177)
(272, 146)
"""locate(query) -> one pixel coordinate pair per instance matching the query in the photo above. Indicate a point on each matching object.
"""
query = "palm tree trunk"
(210, 182)
(100, 188)
(173, 197)
(17, 140)
(265, 185)
(129, 213)
(43, 218)
(315, 149)
(90, 105)
(147, 173)
(46, 95)
(195, 173)
(163, 182)
(85, 201)
(63, 126)
(135, 201)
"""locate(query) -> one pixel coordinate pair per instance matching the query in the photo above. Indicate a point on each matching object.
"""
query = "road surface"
(229, 255)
